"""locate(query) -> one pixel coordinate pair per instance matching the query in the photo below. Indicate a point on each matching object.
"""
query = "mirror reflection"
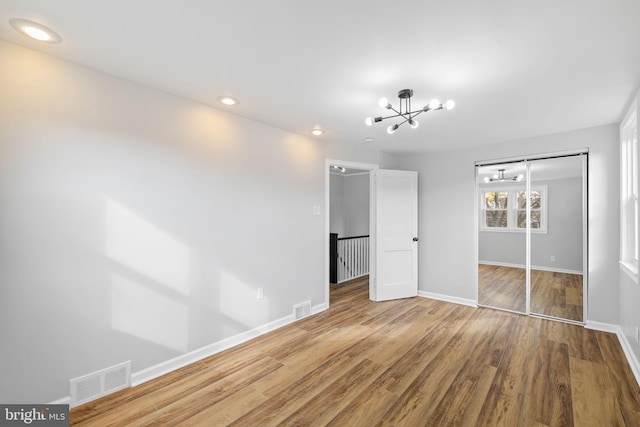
(555, 197)
(502, 241)
(557, 242)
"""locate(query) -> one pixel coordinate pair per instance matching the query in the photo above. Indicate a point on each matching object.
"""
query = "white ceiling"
(515, 69)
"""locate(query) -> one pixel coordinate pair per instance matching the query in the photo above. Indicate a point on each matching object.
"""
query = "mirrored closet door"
(532, 236)
(502, 242)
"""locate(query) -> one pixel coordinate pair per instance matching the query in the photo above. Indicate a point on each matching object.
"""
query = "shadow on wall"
(150, 291)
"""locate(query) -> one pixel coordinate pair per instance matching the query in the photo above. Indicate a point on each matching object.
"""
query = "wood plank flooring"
(552, 294)
(413, 362)
(557, 294)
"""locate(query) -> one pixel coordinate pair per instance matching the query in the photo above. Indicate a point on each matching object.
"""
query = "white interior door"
(397, 234)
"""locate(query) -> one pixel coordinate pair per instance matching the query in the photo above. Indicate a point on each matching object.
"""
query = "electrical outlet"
(260, 293)
(553, 258)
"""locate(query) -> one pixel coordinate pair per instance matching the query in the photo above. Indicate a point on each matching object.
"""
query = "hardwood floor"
(413, 362)
(552, 294)
(557, 294)
(502, 287)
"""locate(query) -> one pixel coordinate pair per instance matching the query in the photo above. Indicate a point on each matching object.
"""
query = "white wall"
(136, 225)
(630, 295)
(356, 205)
(336, 204)
(563, 238)
(349, 205)
(447, 254)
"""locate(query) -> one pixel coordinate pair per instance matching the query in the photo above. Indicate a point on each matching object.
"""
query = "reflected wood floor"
(502, 287)
(557, 294)
(552, 294)
(413, 362)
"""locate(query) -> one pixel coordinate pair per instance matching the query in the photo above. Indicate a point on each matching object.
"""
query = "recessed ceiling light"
(228, 100)
(35, 31)
(317, 132)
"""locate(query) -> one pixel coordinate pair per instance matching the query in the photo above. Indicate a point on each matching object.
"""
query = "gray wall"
(562, 240)
(336, 204)
(136, 225)
(447, 250)
(349, 204)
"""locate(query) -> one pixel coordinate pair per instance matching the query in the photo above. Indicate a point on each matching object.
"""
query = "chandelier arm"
(417, 113)
(399, 113)
(395, 115)
(403, 122)
(403, 115)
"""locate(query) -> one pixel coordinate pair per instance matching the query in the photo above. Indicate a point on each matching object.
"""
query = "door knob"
(415, 239)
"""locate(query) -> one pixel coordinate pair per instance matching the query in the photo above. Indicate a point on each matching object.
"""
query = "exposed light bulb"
(368, 121)
(520, 177)
(391, 129)
(486, 179)
(384, 103)
(434, 104)
(317, 132)
(449, 104)
(495, 176)
(414, 124)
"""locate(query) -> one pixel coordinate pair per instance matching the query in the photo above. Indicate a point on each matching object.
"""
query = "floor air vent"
(302, 310)
(97, 384)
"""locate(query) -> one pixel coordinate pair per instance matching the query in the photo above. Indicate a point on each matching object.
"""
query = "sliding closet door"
(502, 239)
(557, 237)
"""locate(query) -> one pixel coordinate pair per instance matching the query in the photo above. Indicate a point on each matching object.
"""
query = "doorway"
(532, 235)
(359, 170)
(348, 224)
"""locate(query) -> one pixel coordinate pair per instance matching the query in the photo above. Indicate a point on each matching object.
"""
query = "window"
(629, 194)
(505, 209)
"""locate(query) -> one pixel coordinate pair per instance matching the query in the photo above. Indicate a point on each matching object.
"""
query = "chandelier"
(404, 110)
(501, 178)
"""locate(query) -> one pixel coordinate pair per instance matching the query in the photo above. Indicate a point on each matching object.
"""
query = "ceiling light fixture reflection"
(317, 131)
(404, 110)
(501, 178)
(35, 31)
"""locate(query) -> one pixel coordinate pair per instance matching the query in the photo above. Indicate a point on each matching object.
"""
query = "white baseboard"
(211, 349)
(502, 264)
(533, 267)
(604, 327)
(183, 360)
(63, 401)
(447, 298)
(624, 343)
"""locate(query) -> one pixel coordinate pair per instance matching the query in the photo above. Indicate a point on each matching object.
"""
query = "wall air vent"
(302, 310)
(100, 383)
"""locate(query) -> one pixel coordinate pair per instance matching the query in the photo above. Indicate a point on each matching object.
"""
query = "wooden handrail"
(354, 237)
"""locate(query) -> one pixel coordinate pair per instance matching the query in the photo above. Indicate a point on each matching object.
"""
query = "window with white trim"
(629, 193)
(505, 209)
